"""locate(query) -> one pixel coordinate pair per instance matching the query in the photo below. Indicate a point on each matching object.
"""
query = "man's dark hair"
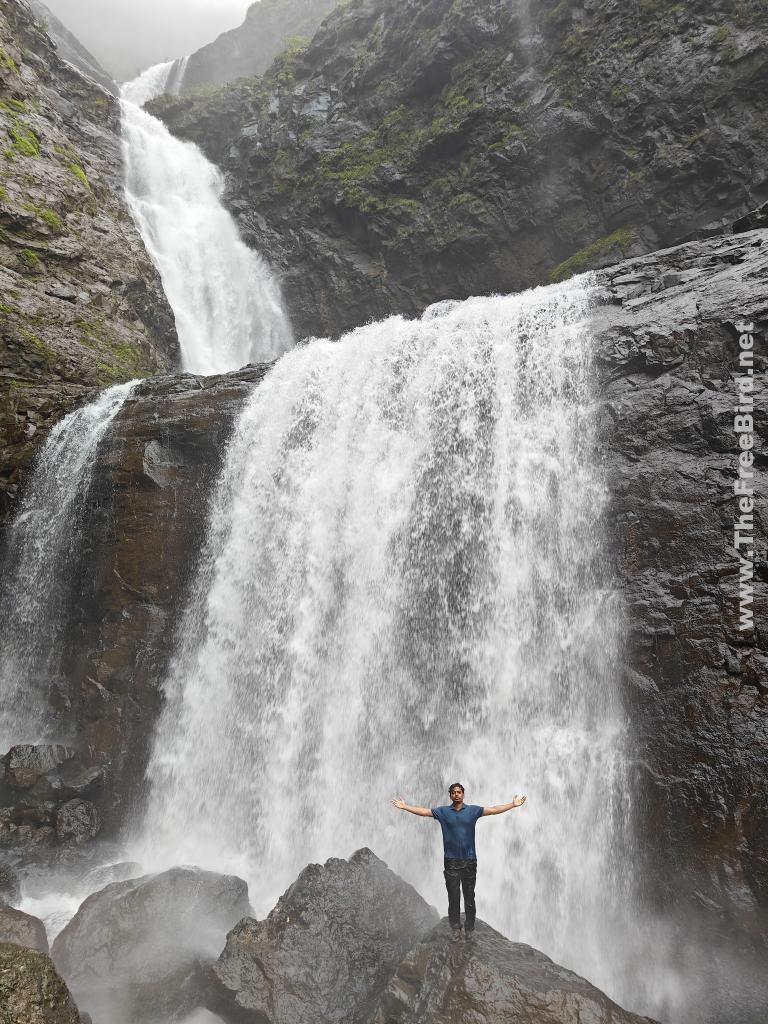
(455, 785)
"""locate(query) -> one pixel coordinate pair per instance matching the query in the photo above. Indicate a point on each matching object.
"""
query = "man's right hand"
(401, 805)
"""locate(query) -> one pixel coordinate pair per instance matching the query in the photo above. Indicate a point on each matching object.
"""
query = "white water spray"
(43, 545)
(403, 586)
(226, 301)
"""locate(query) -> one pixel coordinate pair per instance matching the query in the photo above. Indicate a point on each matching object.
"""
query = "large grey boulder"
(493, 981)
(131, 952)
(22, 929)
(327, 950)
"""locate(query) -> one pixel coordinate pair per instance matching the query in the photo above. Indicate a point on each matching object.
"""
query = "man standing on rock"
(457, 820)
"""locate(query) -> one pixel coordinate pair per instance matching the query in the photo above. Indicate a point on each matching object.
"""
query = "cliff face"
(250, 49)
(81, 304)
(695, 686)
(428, 149)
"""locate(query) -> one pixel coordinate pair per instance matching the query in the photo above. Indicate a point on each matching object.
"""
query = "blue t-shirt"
(458, 830)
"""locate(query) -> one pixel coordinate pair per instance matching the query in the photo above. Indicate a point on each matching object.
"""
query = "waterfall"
(403, 586)
(226, 301)
(43, 546)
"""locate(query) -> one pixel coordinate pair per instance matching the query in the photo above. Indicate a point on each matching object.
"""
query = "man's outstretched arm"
(500, 808)
(401, 805)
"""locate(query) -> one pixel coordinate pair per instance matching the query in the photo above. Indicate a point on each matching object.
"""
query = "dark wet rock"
(77, 821)
(131, 951)
(248, 50)
(429, 150)
(27, 764)
(22, 929)
(31, 992)
(10, 886)
(492, 980)
(81, 304)
(326, 951)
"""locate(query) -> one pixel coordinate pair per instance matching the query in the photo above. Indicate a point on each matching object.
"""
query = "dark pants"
(460, 878)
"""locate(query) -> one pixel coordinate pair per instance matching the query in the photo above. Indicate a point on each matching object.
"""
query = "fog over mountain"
(128, 35)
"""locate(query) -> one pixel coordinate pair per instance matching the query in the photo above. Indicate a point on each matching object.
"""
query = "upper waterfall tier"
(226, 300)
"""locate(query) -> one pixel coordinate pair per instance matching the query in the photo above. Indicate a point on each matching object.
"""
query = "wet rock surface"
(493, 980)
(81, 304)
(21, 929)
(326, 951)
(427, 150)
(46, 799)
(131, 951)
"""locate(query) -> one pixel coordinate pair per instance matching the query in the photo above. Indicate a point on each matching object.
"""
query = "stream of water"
(226, 301)
(41, 555)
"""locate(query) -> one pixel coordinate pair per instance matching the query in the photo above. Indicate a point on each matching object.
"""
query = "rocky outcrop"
(493, 980)
(81, 304)
(21, 929)
(327, 949)
(131, 951)
(31, 992)
(426, 150)
(696, 685)
(44, 798)
(269, 26)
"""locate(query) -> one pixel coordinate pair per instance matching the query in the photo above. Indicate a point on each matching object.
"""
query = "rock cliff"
(432, 149)
(248, 50)
(81, 304)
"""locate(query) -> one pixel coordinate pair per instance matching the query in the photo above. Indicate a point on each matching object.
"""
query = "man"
(457, 820)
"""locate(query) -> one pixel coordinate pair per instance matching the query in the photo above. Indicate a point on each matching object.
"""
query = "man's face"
(456, 794)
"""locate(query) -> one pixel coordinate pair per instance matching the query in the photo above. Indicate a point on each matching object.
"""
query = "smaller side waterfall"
(42, 547)
(227, 303)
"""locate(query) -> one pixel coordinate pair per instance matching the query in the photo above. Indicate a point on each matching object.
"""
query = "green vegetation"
(286, 61)
(586, 258)
(117, 360)
(36, 344)
(51, 218)
(30, 258)
(13, 106)
(79, 173)
(7, 60)
(3, 194)
(24, 139)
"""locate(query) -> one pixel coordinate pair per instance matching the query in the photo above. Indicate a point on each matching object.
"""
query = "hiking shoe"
(456, 935)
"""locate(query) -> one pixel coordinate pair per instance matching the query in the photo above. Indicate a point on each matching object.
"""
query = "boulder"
(131, 951)
(31, 992)
(491, 980)
(22, 930)
(77, 821)
(327, 950)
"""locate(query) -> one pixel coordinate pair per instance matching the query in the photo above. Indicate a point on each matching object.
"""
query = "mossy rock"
(31, 992)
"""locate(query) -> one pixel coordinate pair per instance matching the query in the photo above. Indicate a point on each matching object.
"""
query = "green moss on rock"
(614, 245)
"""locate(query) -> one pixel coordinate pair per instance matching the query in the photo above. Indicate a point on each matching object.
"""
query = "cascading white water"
(226, 301)
(403, 586)
(42, 545)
